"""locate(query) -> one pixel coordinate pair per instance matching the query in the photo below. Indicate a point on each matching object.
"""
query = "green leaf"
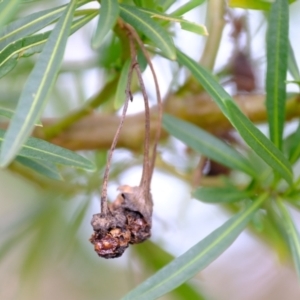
(262, 146)
(220, 194)
(294, 149)
(121, 88)
(157, 34)
(109, 13)
(206, 144)
(277, 61)
(7, 10)
(41, 150)
(28, 25)
(292, 235)
(193, 27)
(190, 5)
(195, 259)
(185, 24)
(42, 167)
(253, 4)
(292, 64)
(37, 88)
(28, 46)
(206, 79)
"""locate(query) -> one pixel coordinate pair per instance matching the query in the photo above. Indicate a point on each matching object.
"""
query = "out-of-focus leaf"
(28, 46)
(294, 149)
(41, 150)
(277, 61)
(292, 235)
(121, 89)
(262, 146)
(186, 7)
(8, 113)
(7, 10)
(157, 34)
(109, 13)
(195, 259)
(37, 88)
(185, 24)
(253, 4)
(45, 168)
(159, 258)
(206, 144)
(206, 79)
(220, 194)
(292, 64)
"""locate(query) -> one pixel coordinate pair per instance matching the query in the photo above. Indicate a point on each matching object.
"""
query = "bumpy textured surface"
(129, 222)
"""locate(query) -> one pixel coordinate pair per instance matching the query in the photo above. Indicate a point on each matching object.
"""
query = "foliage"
(46, 32)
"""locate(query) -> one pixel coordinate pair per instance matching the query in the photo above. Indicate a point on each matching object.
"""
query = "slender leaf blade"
(7, 10)
(121, 88)
(294, 150)
(37, 88)
(220, 194)
(205, 143)
(195, 259)
(109, 13)
(206, 79)
(262, 146)
(42, 167)
(41, 150)
(157, 34)
(277, 63)
(292, 235)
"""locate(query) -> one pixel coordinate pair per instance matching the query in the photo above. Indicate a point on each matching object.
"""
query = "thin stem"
(104, 203)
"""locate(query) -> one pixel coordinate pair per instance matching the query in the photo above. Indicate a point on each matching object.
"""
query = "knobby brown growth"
(128, 219)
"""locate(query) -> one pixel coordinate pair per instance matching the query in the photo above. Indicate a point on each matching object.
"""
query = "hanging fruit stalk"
(128, 219)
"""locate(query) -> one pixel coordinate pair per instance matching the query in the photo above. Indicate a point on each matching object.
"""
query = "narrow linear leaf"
(157, 34)
(109, 13)
(206, 79)
(292, 235)
(292, 64)
(262, 146)
(28, 46)
(121, 88)
(41, 150)
(185, 24)
(8, 113)
(294, 151)
(195, 259)
(7, 10)
(42, 167)
(190, 5)
(220, 194)
(253, 4)
(206, 144)
(277, 62)
(37, 88)
(28, 25)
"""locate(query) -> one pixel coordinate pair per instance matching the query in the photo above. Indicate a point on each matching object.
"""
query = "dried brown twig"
(128, 219)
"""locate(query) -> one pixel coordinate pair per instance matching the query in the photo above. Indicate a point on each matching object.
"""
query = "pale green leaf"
(292, 65)
(220, 194)
(157, 34)
(109, 13)
(121, 88)
(277, 62)
(45, 168)
(7, 10)
(193, 27)
(253, 4)
(190, 5)
(292, 235)
(262, 146)
(41, 150)
(30, 45)
(206, 144)
(37, 88)
(196, 258)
